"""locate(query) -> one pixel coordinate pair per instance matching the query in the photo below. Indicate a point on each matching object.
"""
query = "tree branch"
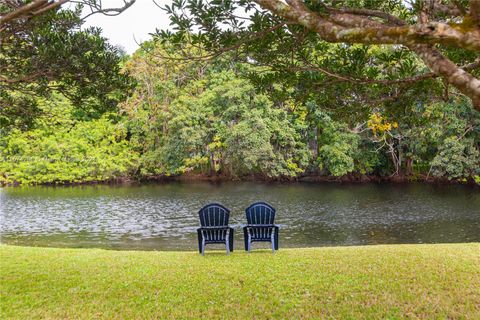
(38, 7)
(475, 11)
(51, 6)
(458, 77)
(430, 33)
(420, 38)
(97, 8)
(370, 13)
(23, 10)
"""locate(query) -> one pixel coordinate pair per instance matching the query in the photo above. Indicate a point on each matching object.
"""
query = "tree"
(43, 49)
(444, 35)
(207, 118)
(61, 149)
(456, 159)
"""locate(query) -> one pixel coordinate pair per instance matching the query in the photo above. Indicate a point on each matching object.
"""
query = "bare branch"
(436, 8)
(97, 8)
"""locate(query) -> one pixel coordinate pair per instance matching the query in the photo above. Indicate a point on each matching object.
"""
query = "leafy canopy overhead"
(443, 35)
(45, 51)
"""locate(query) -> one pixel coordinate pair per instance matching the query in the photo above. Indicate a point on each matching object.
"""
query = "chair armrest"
(261, 226)
(214, 228)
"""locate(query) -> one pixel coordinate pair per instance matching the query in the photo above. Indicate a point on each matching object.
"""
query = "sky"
(133, 25)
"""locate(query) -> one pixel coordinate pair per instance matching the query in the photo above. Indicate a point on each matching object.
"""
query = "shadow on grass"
(238, 252)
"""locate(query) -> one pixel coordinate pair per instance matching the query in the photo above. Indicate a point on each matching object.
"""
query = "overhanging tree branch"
(475, 12)
(347, 26)
(37, 7)
(462, 36)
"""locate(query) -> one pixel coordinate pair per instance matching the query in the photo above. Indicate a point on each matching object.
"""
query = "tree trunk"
(409, 166)
(313, 143)
(212, 164)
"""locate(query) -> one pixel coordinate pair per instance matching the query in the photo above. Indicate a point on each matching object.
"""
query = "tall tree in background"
(444, 35)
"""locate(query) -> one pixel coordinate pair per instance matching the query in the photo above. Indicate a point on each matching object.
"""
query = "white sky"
(135, 23)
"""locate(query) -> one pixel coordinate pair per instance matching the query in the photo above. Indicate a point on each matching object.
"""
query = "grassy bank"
(415, 281)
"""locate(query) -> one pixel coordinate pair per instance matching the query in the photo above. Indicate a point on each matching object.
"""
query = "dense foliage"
(220, 124)
(51, 53)
(61, 149)
(218, 118)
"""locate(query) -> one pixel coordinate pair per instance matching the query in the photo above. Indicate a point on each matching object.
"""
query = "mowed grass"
(371, 282)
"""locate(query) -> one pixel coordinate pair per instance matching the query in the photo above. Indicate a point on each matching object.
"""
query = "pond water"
(164, 216)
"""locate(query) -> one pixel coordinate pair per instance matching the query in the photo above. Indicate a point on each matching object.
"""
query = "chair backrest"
(260, 213)
(214, 215)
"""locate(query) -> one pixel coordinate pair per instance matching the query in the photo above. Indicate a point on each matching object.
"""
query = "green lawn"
(371, 282)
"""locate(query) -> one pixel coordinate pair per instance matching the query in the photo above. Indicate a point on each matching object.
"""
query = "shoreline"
(239, 250)
(347, 179)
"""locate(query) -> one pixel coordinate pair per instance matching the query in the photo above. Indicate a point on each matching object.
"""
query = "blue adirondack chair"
(260, 225)
(214, 227)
